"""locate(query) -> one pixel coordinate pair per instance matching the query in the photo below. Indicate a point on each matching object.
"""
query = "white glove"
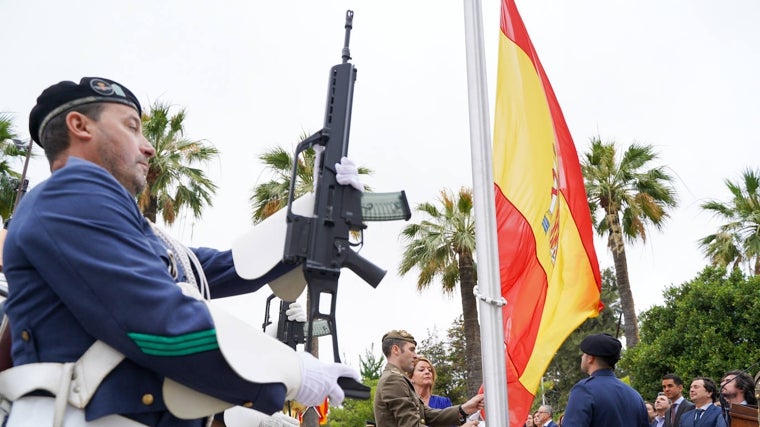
(296, 313)
(320, 380)
(278, 419)
(346, 173)
(243, 417)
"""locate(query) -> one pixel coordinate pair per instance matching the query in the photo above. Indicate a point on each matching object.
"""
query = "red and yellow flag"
(549, 271)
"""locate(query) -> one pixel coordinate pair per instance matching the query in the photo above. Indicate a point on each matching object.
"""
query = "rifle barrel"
(349, 24)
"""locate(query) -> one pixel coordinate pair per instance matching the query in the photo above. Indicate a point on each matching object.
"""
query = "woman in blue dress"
(423, 378)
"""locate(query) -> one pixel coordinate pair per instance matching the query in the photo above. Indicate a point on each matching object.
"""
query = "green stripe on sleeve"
(181, 345)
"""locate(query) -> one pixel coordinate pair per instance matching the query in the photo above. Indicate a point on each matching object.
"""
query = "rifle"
(289, 332)
(321, 242)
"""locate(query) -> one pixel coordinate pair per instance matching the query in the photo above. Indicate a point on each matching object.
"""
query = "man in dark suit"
(703, 392)
(661, 406)
(672, 386)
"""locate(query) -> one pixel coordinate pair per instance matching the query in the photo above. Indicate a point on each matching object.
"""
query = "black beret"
(399, 335)
(65, 95)
(602, 345)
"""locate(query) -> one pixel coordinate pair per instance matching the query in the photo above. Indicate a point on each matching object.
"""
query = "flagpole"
(489, 283)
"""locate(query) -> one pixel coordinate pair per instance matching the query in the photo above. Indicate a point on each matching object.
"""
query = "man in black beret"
(602, 400)
(107, 315)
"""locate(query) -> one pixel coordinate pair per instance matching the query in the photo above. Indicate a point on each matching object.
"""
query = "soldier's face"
(584, 363)
(407, 355)
(119, 146)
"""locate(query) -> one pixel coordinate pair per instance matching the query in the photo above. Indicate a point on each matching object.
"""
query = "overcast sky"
(680, 75)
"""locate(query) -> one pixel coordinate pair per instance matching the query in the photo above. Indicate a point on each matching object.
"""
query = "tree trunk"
(152, 209)
(617, 247)
(471, 324)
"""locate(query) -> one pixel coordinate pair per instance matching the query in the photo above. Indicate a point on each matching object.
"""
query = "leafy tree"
(9, 178)
(706, 327)
(737, 241)
(371, 365)
(174, 180)
(564, 369)
(628, 195)
(358, 412)
(354, 413)
(443, 246)
(448, 357)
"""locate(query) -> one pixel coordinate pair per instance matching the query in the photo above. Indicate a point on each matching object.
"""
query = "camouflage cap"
(399, 334)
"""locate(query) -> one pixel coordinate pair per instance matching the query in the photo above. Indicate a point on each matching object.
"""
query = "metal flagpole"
(490, 302)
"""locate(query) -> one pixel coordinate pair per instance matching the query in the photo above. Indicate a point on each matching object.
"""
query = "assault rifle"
(289, 332)
(321, 242)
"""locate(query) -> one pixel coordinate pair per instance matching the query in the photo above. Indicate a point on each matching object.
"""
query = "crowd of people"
(603, 400)
(405, 394)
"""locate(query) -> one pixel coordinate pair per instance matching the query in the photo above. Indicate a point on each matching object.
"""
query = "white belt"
(78, 381)
(36, 411)
(72, 384)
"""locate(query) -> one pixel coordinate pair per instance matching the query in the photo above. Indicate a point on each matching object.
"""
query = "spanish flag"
(548, 267)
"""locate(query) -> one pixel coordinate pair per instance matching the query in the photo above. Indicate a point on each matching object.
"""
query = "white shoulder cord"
(182, 254)
(185, 257)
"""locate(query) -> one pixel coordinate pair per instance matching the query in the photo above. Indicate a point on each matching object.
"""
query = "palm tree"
(271, 196)
(738, 240)
(173, 181)
(443, 247)
(9, 178)
(629, 196)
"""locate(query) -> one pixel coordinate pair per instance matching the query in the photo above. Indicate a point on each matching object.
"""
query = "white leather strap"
(90, 370)
(84, 376)
(20, 380)
(36, 411)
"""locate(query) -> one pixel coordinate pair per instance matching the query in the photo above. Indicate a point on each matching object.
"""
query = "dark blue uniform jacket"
(602, 400)
(83, 265)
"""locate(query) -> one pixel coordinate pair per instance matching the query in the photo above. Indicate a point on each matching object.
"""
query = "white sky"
(681, 75)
